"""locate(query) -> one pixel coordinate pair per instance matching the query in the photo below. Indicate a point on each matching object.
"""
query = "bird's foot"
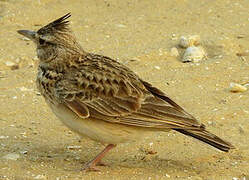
(91, 166)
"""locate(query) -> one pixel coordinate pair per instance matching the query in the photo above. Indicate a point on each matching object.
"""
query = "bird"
(102, 99)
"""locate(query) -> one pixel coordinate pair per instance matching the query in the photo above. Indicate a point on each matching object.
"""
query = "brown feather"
(200, 132)
(79, 108)
(58, 25)
(208, 138)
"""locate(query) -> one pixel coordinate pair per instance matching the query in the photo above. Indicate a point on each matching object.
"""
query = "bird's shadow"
(155, 163)
(73, 160)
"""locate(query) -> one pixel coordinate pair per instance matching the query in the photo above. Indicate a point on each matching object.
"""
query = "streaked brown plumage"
(102, 99)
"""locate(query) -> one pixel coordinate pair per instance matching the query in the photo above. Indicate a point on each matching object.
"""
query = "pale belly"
(98, 130)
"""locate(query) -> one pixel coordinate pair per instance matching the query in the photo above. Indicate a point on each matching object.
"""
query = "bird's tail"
(209, 138)
(199, 132)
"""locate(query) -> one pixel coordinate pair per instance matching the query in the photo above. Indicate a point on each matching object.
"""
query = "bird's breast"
(45, 82)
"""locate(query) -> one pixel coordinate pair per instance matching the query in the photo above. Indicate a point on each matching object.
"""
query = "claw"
(90, 167)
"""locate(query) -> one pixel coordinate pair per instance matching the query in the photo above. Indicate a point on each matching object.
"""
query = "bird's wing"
(106, 90)
(100, 83)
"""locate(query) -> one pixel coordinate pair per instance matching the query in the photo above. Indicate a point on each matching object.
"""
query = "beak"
(27, 33)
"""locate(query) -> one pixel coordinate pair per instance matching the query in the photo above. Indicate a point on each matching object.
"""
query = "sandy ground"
(35, 145)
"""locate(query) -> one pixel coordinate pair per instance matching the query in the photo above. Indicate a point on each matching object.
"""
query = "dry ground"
(144, 31)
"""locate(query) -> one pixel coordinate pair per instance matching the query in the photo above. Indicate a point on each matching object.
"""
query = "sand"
(35, 145)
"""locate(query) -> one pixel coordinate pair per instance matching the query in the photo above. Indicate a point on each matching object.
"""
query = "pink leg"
(90, 166)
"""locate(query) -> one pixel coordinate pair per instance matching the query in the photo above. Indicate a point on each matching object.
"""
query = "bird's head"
(53, 40)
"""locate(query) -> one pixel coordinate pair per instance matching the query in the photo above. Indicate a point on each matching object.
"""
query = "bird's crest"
(60, 24)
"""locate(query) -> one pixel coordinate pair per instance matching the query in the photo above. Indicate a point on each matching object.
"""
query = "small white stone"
(157, 67)
(24, 152)
(235, 178)
(9, 63)
(4, 137)
(73, 147)
(121, 25)
(194, 54)
(11, 156)
(23, 133)
(183, 42)
(235, 87)
(167, 175)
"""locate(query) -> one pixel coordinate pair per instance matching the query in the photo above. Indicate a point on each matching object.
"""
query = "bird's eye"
(41, 41)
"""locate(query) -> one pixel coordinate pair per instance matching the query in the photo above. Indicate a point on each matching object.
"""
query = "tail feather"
(208, 138)
(199, 132)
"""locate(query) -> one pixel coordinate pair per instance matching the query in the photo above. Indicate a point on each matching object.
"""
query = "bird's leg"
(91, 166)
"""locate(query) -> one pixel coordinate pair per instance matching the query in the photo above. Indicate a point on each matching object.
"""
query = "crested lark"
(102, 99)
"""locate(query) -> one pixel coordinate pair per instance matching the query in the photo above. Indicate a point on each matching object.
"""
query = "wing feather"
(79, 108)
(106, 90)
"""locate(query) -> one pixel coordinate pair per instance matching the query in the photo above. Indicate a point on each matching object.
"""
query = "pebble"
(12, 65)
(235, 178)
(194, 54)
(9, 63)
(73, 147)
(168, 176)
(24, 152)
(11, 156)
(173, 37)
(121, 25)
(157, 67)
(4, 137)
(235, 87)
(210, 122)
(183, 42)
